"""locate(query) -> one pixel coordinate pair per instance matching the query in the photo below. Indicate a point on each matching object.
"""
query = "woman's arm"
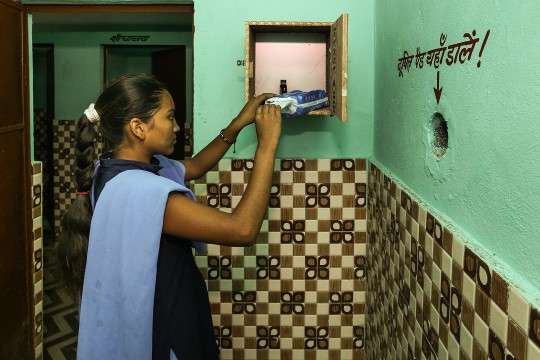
(208, 157)
(190, 220)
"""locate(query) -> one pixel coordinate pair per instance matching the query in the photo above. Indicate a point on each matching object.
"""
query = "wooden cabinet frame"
(336, 61)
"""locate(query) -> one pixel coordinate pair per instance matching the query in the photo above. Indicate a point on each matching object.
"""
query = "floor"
(60, 315)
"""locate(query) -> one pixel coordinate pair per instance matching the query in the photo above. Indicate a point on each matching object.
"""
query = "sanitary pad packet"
(298, 102)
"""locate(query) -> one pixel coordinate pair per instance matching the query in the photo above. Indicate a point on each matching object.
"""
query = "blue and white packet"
(298, 102)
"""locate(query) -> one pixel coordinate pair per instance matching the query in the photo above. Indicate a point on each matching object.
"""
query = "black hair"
(134, 96)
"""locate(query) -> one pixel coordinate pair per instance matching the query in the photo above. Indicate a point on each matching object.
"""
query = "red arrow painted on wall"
(438, 91)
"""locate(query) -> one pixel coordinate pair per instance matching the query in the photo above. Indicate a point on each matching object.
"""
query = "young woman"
(130, 231)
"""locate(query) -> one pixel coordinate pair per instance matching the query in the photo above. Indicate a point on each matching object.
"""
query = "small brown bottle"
(283, 87)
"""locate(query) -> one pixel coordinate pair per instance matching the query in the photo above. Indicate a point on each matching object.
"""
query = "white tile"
(322, 285)
(237, 177)
(422, 216)
(392, 205)
(436, 276)
(286, 201)
(453, 346)
(429, 245)
(299, 285)
(249, 353)
(298, 188)
(286, 273)
(518, 308)
(360, 176)
(199, 189)
(224, 165)
(403, 217)
(274, 237)
(360, 225)
(298, 213)
(312, 225)
(275, 354)
(212, 177)
(427, 286)
(323, 164)
(348, 189)
(469, 288)
(348, 213)
(498, 321)
(323, 238)
(336, 177)
(481, 332)
(336, 201)
(312, 177)
(434, 317)
(443, 353)
(414, 229)
(417, 331)
(446, 264)
(323, 214)
(407, 240)
(533, 352)
(466, 341)
(360, 249)
(285, 177)
(458, 251)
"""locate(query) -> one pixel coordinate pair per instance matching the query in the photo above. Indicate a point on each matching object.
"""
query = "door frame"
(23, 126)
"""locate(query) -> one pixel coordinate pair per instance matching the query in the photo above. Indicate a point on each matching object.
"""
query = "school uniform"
(143, 295)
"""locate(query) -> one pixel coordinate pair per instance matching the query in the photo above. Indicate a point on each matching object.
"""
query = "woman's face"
(162, 128)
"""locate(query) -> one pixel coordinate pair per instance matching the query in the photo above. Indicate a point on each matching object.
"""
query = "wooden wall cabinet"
(333, 34)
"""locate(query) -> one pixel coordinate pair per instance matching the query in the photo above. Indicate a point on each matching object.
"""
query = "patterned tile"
(464, 309)
(37, 228)
(300, 291)
(63, 157)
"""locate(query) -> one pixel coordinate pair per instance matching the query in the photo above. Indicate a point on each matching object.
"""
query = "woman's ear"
(137, 128)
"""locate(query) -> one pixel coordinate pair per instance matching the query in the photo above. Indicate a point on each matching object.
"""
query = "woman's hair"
(122, 100)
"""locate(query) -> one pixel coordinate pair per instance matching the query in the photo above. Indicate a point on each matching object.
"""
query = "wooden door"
(169, 66)
(16, 301)
(337, 92)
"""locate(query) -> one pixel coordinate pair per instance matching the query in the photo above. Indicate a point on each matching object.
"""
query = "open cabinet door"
(337, 91)
(249, 91)
(16, 300)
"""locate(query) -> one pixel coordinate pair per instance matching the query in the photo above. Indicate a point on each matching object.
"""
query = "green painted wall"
(487, 183)
(79, 65)
(219, 82)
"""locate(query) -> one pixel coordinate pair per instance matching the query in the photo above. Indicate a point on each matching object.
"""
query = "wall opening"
(438, 135)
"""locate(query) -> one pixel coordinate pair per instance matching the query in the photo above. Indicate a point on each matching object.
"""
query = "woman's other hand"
(268, 123)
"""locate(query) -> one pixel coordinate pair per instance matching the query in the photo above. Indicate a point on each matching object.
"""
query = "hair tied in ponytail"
(92, 114)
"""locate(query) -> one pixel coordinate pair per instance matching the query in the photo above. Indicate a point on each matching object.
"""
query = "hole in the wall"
(438, 135)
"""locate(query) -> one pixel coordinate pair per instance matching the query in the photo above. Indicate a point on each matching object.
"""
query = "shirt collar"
(106, 161)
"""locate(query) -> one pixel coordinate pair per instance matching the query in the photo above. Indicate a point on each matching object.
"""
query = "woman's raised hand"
(247, 114)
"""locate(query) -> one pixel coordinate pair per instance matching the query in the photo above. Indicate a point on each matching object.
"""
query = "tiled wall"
(430, 296)
(36, 192)
(299, 293)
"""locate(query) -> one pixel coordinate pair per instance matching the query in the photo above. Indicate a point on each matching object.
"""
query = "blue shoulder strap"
(118, 292)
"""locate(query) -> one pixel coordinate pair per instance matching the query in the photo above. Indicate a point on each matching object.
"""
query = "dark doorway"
(43, 91)
(167, 63)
